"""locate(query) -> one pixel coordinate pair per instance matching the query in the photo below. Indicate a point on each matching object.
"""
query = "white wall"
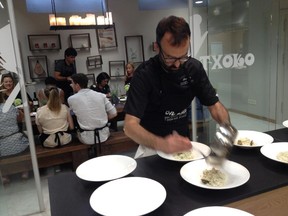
(128, 21)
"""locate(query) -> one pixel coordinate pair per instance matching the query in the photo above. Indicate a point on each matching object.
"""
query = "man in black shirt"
(162, 89)
(64, 69)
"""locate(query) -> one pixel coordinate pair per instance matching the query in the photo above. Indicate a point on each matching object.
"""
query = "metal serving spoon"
(224, 139)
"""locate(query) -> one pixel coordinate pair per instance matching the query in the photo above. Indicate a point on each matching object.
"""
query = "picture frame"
(117, 68)
(38, 67)
(44, 42)
(94, 62)
(80, 41)
(154, 46)
(134, 48)
(106, 37)
(91, 79)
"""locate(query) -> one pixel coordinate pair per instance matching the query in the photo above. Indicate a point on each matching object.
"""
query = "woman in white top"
(53, 120)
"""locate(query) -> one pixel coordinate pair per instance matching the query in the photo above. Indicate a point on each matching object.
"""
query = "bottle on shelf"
(35, 103)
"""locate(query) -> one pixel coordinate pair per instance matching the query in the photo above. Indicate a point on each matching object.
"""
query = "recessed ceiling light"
(198, 2)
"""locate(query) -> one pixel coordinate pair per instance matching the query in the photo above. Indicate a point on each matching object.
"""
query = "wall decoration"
(106, 37)
(94, 62)
(38, 67)
(80, 41)
(154, 47)
(134, 48)
(117, 68)
(44, 42)
(91, 79)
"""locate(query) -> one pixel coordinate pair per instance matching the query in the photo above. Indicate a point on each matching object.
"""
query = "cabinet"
(44, 42)
(80, 41)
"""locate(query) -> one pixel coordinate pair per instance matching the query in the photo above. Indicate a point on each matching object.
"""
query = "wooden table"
(274, 202)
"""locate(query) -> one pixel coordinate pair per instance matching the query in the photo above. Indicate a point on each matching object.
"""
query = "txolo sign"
(234, 60)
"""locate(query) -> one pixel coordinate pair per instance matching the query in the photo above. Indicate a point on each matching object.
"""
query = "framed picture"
(91, 79)
(38, 67)
(134, 48)
(106, 37)
(154, 47)
(116, 68)
(94, 61)
(80, 41)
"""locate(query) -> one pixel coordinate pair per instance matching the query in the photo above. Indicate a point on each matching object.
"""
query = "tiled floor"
(20, 196)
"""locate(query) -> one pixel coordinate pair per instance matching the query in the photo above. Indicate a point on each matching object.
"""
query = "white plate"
(236, 174)
(33, 114)
(196, 155)
(106, 168)
(259, 138)
(285, 123)
(123, 99)
(128, 196)
(19, 106)
(217, 210)
(270, 151)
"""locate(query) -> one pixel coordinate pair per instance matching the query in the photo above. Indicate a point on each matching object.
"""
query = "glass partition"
(237, 43)
(18, 194)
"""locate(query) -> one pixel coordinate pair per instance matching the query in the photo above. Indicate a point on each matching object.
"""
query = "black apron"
(168, 111)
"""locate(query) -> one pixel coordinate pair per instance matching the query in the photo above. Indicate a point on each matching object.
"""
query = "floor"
(18, 190)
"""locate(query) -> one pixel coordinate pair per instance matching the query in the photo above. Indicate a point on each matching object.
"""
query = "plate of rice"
(229, 175)
(190, 155)
(277, 151)
(252, 139)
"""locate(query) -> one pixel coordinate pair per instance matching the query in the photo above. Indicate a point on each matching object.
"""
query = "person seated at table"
(129, 75)
(8, 83)
(49, 82)
(102, 86)
(92, 110)
(12, 141)
(53, 120)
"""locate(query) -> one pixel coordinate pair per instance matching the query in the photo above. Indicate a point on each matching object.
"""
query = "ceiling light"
(77, 22)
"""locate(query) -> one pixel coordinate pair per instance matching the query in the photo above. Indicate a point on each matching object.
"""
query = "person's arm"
(69, 119)
(219, 113)
(169, 144)
(57, 76)
(62, 96)
(39, 127)
(20, 115)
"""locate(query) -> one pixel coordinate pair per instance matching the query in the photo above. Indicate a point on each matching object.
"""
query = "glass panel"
(238, 48)
(18, 194)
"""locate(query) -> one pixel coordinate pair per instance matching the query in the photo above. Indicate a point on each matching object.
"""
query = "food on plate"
(187, 155)
(17, 102)
(283, 156)
(213, 177)
(245, 142)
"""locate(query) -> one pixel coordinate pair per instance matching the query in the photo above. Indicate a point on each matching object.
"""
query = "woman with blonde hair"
(53, 120)
(130, 68)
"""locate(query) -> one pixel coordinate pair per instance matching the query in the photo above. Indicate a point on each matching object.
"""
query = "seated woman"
(102, 84)
(8, 82)
(49, 82)
(53, 120)
(12, 141)
(129, 75)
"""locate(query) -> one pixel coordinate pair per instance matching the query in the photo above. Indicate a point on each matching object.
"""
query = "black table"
(70, 196)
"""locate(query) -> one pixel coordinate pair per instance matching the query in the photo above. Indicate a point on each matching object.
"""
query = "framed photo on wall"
(106, 37)
(38, 67)
(94, 61)
(116, 68)
(134, 48)
(91, 79)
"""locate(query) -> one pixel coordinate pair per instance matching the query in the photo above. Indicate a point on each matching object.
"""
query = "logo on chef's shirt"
(172, 116)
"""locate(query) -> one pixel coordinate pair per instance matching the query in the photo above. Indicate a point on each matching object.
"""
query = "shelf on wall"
(80, 27)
